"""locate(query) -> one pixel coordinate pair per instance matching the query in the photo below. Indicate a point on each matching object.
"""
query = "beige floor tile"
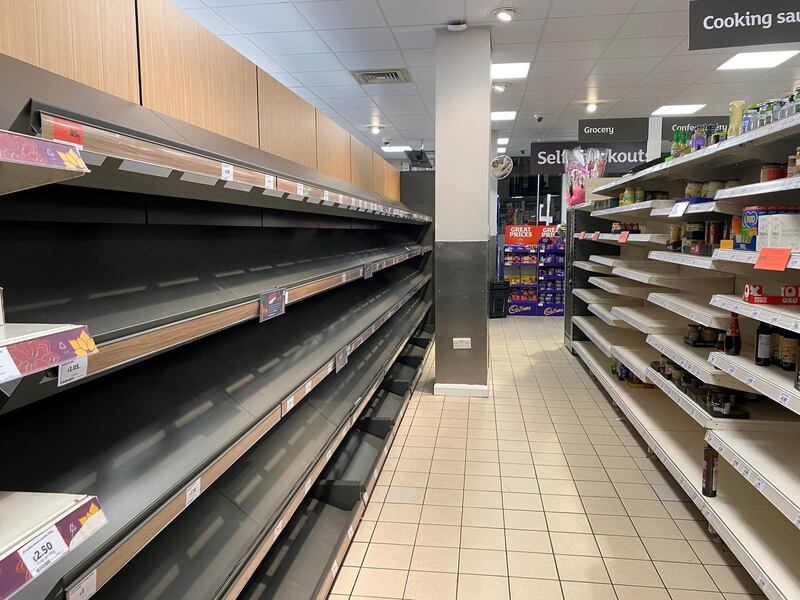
(532, 565)
(430, 586)
(410, 479)
(388, 556)
(713, 553)
(587, 569)
(345, 580)
(482, 587)
(685, 576)
(667, 550)
(484, 483)
(645, 508)
(523, 485)
(482, 517)
(438, 535)
(355, 554)
(601, 489)
(479, 499)
(433, 558)
(627, 592)
(677, 594)
(621, 546)
(611, 525)
(693, 530)
(446, 481)
(384, 583)
(402, 495)
(568, 522)
(558, 460)
(364, 531)
(482, 562)
(625, 475)
(580, 544)
(529, 520)
(400, 513)
(416, 452)
(441, 515)
(484, 538)
(483, 468)
(637, 491)
(521, 540)
(565, 504)
(656, 528)
(534, 589)
(587, 591)
(393, 533)
(517, 470)
(733, 580)
(455, 454)
(625, 571)
(447, 467)
(602, 506)
(558, 487)
(443, 497)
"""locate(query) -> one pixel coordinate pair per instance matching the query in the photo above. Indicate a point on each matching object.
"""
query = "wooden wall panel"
(385, 178)
(393, 183)
(287, 123)
(91, 41)
(360, 164)
(190, 74)
(333, 148)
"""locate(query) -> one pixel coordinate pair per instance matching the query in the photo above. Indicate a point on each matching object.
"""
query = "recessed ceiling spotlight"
(677, 109)
(504, 115)
(505, 14)
(501, 86)
(505, 71)
(591, 107)
(375, 129)
(757, 60)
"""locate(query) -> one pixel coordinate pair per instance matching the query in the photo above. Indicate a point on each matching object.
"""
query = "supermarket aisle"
(539, 492)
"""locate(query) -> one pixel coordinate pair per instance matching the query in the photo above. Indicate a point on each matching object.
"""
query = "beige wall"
(186, 72)
(91, 41)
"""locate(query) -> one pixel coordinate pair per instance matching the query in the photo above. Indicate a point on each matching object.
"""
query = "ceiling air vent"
(382, 76)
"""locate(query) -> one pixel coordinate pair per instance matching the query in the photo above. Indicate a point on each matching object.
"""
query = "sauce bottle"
(733, 338)
(763, 345)
(710, 467)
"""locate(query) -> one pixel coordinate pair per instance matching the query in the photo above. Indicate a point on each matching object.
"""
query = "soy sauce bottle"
(733, 338)
(710, 466)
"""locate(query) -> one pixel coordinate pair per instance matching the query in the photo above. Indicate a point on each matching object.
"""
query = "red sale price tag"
(596, 236)
(623, 237)
(773, 259)
(67, 131)
(582, 235)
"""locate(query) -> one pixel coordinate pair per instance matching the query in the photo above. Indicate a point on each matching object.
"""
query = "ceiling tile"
(241, 44)
(645, 25)
(378, 59)
(364, 114)
(325, 78)
(361, 102)
(426, 87)
(554, 68)
(423, 74)
(415, 37)
(391, 89)
(260, 18)
(605, 94)
(419, 57)
(339, 91)
(396, 111)
(480, 11)
(294, 42)
(582, 8)
(412, 121)
(652, 91)
(307, 94)
(215, 3)
(517, 32)
(626, 65)
(582, 28)
(266, 63)
(659, 5)
(287, 79)
(211, 21)
(655, 46)
(576, 50)
(514, 93)
(386, 102)
(554, 83)
(703, 62)
(189, 3)
(359, 40)
(422, 12)
(300, 63)
(513, 53)
(611, 79)
(546, 95)
(335, 14)
(675, 77)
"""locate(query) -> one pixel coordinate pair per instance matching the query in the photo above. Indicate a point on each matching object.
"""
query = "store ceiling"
(629, 55)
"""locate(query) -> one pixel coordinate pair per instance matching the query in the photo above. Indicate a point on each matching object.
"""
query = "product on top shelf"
(772, 171)
(765, 227)
(701, 336)
(736, 115)
(763, 113)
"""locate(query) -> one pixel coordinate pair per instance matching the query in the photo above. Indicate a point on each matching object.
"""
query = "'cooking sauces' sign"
(728, 23)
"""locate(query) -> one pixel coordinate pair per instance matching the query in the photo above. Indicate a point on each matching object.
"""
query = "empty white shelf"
(672, 277)
(639, 210)
(604, 313)
(745, 257)
(784, 316)
(597, 296)
(651, 319)
(624, 287)
(604, 336)
(687, 260)
(694, 307)
(695, 360)
(636, 358)
(592, 267)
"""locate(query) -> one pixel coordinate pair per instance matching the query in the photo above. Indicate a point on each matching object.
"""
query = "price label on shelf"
(755, 313)
(582, 235)
(759, 484)
(269, 182)
(85, 589)
(350, 532)
(797, 520)
(271, 304)
(8, 368)
(731, 370)
(762, 582)
(774, 319)
(678, 210)
(309, 386)
(42, 551)
(308, 485)
(227, 172)
(277, 531)
(750, 379)
(341, 359)
(290, 402)
(623, 237)
(301, 189)
(72, 370)
(334, 568)
(773, 259)
(193, 491)
(596, 236)
(735, 463)
(745, 471)
(68, 132)
(783, 398)
(367, 269)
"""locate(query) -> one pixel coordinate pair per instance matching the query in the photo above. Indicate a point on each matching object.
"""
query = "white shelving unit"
(786, 317)
(651, 319)
(625, 287)
(638, 210)
(634, 239)
(604, 313)
(596, 296)
(759, 482)
(592, 267)
(693, 307)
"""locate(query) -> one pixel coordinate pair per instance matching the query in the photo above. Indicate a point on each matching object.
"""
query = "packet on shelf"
(757, 293)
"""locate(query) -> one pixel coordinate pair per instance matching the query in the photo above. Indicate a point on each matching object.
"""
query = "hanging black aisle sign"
(729, 23)
(548, 158)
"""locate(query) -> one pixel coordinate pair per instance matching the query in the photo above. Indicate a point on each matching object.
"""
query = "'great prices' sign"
(528, 234)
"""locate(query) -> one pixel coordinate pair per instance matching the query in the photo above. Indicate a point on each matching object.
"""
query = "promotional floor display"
(533, 261)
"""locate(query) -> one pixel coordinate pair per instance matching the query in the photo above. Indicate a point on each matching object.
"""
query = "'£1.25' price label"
(42, 551)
